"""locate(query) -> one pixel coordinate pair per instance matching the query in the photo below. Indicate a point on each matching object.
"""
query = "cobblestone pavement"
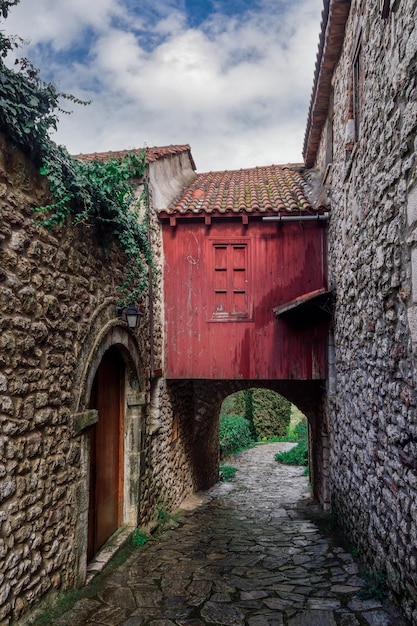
(247, 556)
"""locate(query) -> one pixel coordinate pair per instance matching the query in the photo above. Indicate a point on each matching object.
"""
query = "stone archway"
(117, 348)
(308, 396)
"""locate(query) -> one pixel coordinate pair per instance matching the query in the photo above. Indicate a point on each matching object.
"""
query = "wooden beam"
(308, 298)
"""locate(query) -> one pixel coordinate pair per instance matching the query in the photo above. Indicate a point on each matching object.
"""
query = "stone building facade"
(58, 317)
(60, 330)
(361, 138)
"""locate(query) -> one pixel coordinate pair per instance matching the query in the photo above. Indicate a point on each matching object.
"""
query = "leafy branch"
(95, 192)
(100, 193)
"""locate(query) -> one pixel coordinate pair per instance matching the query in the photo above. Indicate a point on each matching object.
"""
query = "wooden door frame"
(134, 401)
(109, 379)
(122, 403)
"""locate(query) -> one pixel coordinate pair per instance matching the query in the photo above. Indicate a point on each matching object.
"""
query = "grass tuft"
(227, 473)
(296, 456)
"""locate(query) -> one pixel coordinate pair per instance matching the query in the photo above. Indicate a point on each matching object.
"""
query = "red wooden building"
(244, 251)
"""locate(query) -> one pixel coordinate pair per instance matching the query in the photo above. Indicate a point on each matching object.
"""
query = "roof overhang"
(319, 300)
(243, 216)
(334, 16)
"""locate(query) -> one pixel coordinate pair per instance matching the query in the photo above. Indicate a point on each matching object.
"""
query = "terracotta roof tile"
(270, 189)
(152, 154)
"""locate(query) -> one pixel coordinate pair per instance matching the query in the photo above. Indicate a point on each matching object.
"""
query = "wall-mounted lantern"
(131, 315)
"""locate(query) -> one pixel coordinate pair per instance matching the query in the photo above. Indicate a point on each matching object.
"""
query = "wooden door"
(106, 452)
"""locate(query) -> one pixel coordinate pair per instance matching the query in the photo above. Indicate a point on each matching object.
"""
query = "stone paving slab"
(247, 555)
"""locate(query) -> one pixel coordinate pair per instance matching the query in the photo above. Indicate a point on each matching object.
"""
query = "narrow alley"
(250, 554)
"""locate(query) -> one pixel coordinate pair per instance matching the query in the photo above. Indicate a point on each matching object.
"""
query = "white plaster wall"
(168, 178)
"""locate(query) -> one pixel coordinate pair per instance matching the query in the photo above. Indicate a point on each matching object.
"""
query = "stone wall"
(58, 306)
(52, 291)
(58, 315)
(168, 455)
(372, 189)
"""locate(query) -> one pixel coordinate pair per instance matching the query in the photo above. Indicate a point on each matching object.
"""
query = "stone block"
(7, 488)
(80, 421)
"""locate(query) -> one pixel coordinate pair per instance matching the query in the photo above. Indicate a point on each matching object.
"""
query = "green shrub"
(301, 431)
(296, 456)
(267, 412)
(271, 413)
(227, 473)
(297, 430)
(234, 434)
(138, 538)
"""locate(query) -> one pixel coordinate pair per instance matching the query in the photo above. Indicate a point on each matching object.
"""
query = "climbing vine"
(94, 192)
(100, 193)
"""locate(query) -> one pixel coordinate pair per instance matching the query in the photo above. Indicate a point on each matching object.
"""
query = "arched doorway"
(307, 395)
(106, 451)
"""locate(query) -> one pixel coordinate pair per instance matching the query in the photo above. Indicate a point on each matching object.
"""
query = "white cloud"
(60, 22)
(236, 89)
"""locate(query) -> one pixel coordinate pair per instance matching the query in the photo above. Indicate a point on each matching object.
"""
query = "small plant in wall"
(138, 538)
(227, 473)
(376, 586)
(88, 193)
(165, 520)
(99, 193)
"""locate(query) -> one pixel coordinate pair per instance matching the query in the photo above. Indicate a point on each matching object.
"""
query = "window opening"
(230, 268)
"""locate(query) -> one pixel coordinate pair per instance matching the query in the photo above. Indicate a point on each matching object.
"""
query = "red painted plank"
(221, 286)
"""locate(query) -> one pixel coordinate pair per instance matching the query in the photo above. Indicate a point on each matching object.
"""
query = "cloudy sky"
(232, 78)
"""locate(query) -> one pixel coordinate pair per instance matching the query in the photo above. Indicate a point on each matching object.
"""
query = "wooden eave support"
(322, 299)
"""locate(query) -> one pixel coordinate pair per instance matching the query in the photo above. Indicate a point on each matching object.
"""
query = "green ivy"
(100, 193)
(29, 106)
(95, 192)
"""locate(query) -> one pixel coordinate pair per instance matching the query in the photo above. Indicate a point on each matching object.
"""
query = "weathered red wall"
(285, 261)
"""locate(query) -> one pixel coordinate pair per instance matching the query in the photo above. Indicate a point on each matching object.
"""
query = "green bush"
(227, 473)
(297, 430)
(234, 434)
(301, 430)
(267, 412)
(271, 413)
(296, 456)
(297, 433)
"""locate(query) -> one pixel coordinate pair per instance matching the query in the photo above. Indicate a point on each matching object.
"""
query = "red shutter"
(230, 280)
